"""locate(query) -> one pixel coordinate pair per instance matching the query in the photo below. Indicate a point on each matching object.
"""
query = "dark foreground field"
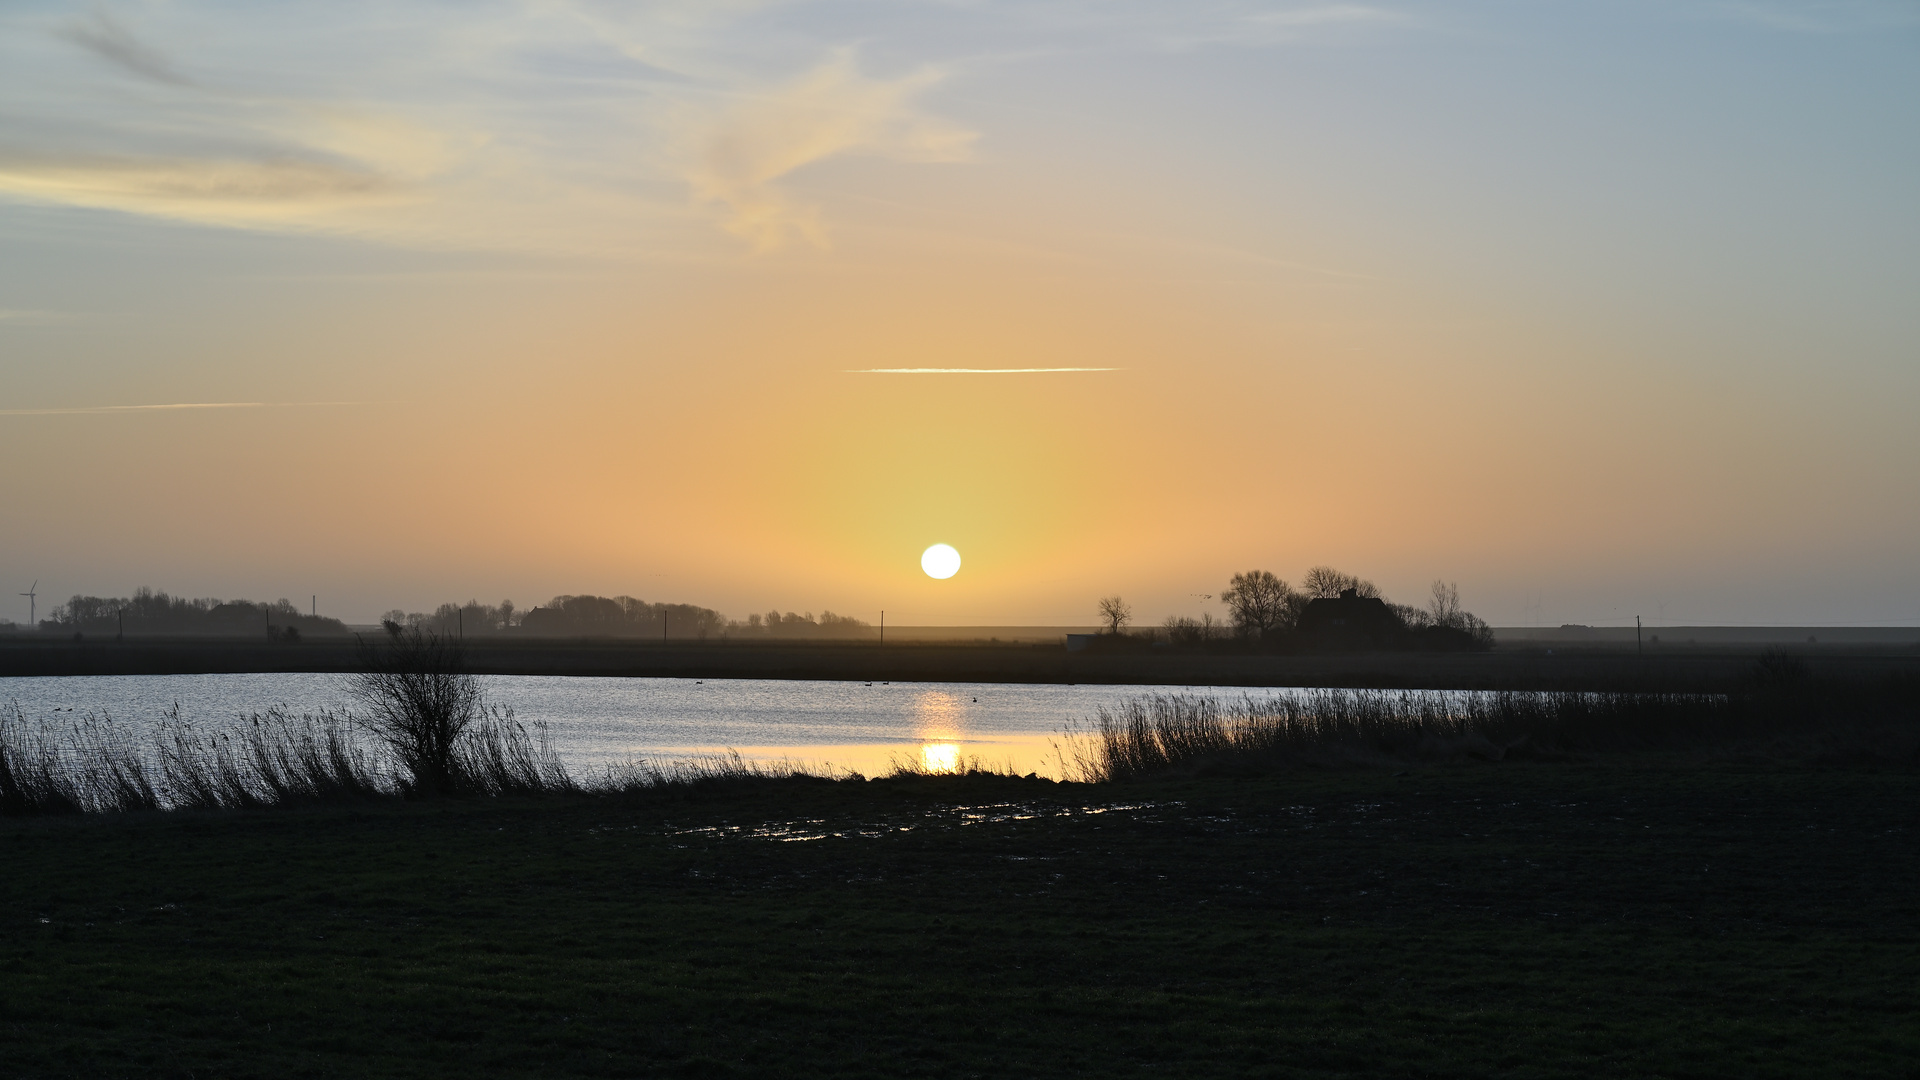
(1518, 919)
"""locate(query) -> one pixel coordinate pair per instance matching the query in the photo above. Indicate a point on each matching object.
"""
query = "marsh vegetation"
(1334, 883)
(420, 728)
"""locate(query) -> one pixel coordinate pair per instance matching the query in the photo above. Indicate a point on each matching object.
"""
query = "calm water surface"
(596, 721)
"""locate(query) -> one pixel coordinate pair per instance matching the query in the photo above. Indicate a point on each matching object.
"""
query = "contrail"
(103, 409)
(971, 370)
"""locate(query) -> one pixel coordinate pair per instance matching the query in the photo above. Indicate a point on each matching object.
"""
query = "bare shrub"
(419, 699)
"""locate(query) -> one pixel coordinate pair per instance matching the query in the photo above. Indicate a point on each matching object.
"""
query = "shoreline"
(1673, 668)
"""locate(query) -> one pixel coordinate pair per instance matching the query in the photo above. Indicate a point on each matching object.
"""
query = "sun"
(940, 561)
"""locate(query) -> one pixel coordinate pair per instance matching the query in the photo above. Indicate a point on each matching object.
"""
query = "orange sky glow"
(1588, 312)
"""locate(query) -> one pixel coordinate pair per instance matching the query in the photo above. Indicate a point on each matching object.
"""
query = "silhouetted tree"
(1326, 583)
(148, 612)
(1415, 618)
(1259, 603)
(1116, 613)
(1186, 630)
(1444, 609)
(419, 698)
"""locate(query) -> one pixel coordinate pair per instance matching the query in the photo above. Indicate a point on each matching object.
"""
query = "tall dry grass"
(94, 764)
(1178, 733)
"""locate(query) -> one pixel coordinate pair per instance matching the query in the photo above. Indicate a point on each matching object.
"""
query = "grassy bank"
(1617, 917)
(1195, 734)
(1706, 669)
(275, 760)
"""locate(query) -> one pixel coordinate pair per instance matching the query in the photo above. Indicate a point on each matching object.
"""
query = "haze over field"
(1599, 310)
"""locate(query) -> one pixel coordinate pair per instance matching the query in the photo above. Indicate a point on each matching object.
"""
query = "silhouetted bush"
(418, 699)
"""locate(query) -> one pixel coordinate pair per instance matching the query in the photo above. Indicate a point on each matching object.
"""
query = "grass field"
(1633, 917)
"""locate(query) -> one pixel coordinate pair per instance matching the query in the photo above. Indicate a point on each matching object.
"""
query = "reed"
(497, 755)
(700, 773)
(95, 765)
(274, 759)
(1163, 733)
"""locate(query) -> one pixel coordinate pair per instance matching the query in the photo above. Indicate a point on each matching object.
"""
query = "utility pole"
(316, 605)
(1637, 646)
(883, 628)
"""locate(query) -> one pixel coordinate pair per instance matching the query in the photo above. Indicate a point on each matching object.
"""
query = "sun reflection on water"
(940, 757)
(940, 725)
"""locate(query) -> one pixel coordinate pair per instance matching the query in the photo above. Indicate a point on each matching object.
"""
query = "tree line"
(148, 613)
(156, 614)
(623, 616)
(1327, 605)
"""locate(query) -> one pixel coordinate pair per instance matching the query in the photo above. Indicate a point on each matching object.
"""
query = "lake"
(597, 722)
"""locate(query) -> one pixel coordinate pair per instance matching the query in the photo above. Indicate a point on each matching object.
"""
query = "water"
(595, 722)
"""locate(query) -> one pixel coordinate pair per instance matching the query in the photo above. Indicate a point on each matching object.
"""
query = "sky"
(1598, 309)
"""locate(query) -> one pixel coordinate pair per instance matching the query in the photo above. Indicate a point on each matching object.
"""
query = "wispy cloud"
(973, 370)
(204, 189)
(564, 125)
(734, 158)
(104, 410)
(107, 39)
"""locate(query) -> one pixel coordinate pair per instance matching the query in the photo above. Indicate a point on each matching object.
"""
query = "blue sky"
(1606, 304)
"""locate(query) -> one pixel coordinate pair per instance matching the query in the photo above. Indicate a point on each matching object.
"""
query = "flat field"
(1625, 918)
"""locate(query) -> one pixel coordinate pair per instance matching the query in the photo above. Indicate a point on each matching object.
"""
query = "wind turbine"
(32, 595)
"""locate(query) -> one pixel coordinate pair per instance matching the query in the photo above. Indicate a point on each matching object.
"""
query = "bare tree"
(1326, 583)
(1186, 630)
(1444, 606)
(1413, 618)
(420, 699)
(1116, 613)
(1260, 603)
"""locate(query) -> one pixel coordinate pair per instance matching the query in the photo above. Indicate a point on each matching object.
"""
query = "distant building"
(1351, 619)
